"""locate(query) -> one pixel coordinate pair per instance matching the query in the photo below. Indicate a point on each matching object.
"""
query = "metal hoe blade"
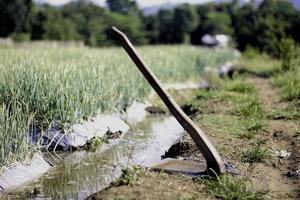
(212, 157)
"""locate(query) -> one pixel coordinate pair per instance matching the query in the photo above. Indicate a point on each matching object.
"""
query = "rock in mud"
(79, 134)
(186, 167)
(232, 169)
(283, 154)
(97, 127)
(18, 173)
(294, 174)
(155, 110)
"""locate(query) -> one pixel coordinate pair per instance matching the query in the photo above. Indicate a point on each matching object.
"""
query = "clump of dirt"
(155, 110)
(186, 149)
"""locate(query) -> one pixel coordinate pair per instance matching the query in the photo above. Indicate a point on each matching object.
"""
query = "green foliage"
(231, 188)
(250, 52)
(265, 26)
(63, 29)
(240, 86)
(185, 21)
(95, 143)
(243, 97)
(248, 106)
(288, 79)
(218, 23)
(14, 123)
(261, 27)
(13, 16)
(256, 153)
(130, 24)
(289, 114)
(20, 37)
(89, 20)
(165, 27)
(129, 177)
(254, 125)
(123, 6)
(289, 84)
(245, 128)
(290, 54)
(234, 105)
(261, 63)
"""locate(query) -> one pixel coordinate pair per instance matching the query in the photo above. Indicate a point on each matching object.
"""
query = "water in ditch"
(79, 174)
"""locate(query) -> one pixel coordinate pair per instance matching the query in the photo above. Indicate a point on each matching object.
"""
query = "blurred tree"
(35, 23)
(218, 23)
(165, 27)
(89, 20)
(261, 27)
(214, 19)
(13, 15)
(185, 21)
(130, 24)
(96, 32)
(57, 27)
(295, 29)
(151, 27)
(202, 11)
(123, 6)
(244, 22)
(64, 29)
(265, 26)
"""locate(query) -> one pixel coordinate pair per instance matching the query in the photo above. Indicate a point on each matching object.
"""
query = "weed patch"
(289, 84)
(129, 177)
(239, 86)
(256, 153)
(94, 143)
(230, 188)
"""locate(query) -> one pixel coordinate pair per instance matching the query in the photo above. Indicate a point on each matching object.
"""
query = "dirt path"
(281, 136)
(268, 94)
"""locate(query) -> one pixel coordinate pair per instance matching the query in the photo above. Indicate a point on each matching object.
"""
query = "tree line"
(249, 25)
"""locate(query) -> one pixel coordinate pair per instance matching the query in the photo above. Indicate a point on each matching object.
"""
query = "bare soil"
(158, 186)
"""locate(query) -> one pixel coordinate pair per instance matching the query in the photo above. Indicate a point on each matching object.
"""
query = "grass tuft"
(248, 107)
(230, 188)
(95, 142)
(289, 84)
(256, 153)
(239, 86)
(129, 177)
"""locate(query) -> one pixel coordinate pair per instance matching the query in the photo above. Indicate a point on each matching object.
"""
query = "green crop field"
(42, 85)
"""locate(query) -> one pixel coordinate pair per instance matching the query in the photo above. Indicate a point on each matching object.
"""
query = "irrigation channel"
(76, 175)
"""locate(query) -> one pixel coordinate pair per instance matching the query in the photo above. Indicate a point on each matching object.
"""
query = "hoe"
(214, 162)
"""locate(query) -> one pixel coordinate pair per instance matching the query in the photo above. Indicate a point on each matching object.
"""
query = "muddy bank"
(80, 134)
(80, 174)
(235, 136)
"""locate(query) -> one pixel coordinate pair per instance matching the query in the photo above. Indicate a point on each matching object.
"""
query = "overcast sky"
(142, 3)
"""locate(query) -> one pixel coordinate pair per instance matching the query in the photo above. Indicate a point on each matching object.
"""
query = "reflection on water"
(82, 173)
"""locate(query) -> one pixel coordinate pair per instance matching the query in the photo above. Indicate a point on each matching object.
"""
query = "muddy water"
(80, 174)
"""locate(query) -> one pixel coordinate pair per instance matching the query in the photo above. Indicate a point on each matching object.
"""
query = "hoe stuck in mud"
(214, 163)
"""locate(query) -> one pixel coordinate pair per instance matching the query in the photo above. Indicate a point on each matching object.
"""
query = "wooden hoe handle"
(213, 159)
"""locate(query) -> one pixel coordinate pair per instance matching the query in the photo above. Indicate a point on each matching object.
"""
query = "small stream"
(77, 175)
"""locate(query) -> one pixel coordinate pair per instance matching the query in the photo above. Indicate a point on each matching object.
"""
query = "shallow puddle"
(79, 174)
